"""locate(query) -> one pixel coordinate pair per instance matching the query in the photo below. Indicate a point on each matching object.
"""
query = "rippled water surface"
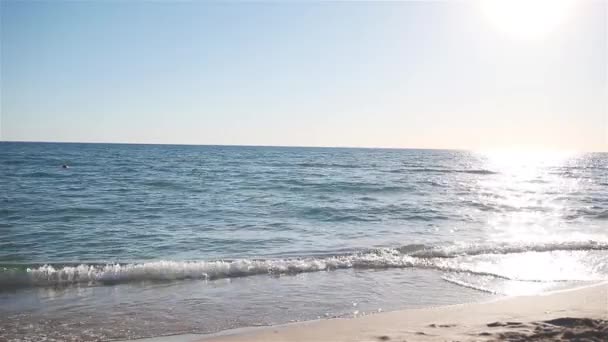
(145, 240)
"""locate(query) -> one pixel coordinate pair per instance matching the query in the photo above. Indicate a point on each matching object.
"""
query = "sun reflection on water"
(531, 191)
(535, 198)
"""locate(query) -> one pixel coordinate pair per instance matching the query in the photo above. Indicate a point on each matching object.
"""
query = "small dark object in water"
(64, 166)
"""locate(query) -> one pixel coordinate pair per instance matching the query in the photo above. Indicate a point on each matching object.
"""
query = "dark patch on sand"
(504, 324)
(384, 338)
(559, 329)
(441, 325)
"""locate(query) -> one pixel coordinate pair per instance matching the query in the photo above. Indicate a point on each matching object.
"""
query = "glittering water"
(145, 240)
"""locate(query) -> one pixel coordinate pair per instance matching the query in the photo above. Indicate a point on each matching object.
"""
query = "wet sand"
(579, 314)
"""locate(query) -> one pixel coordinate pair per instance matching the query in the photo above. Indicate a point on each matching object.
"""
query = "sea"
(104, 242)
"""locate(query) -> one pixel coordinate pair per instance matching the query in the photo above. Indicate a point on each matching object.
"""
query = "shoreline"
(566, 312)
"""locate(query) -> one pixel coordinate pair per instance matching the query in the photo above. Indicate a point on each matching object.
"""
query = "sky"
(453, 74)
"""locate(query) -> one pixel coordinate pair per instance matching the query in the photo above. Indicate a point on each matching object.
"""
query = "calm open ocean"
(148, 240)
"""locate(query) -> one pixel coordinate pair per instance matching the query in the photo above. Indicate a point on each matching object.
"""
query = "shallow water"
(145, 240)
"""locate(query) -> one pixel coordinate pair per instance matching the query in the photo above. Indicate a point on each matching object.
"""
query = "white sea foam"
(175, 270)
(576, 261)
(508, 248)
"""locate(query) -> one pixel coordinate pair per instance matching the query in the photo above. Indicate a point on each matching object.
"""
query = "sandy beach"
(225, 171)
(565, 315)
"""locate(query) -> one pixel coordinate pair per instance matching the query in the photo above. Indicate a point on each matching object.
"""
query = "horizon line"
(296, 146)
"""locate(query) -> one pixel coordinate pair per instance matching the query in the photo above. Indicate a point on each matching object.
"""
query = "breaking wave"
(507, 248)
(418, 256)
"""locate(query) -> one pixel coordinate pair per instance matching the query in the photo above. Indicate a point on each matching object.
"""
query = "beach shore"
(565, 315)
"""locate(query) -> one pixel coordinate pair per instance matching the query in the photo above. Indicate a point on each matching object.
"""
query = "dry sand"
(579, 315)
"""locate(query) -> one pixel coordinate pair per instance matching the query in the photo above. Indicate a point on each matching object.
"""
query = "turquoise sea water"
(147, 240)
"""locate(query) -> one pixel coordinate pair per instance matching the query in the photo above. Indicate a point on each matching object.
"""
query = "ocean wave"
(468, 285)
(42, 174)
(164, 184)
(437, 170)
(82, 210)
(329, 165)
(48, 275)
(507, 248)
(55, 275)
(417, 256)
(337, 215)
(353, 187)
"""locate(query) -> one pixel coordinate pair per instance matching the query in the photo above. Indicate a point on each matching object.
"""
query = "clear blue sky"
(411, 74)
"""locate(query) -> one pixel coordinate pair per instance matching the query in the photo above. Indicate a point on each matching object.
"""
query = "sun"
(526, 19)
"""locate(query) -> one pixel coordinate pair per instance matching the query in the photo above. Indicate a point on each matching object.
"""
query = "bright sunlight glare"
(526, 19)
